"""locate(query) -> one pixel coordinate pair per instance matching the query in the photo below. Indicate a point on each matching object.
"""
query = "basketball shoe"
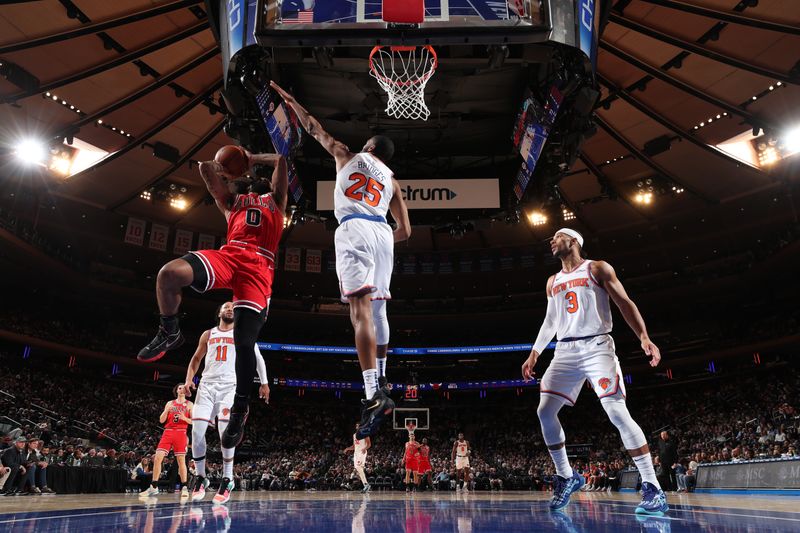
(151, 491)
(160, 345)
(200, 486)
(224, 493)
(373, 413)
(654, 501)
(367, 488)
(234, 433)
(563, 489)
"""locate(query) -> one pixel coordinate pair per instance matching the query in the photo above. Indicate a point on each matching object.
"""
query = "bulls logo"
(226, 411)
(604, 383)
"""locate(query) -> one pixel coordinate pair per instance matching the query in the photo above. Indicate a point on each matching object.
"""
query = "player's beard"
(226, 319)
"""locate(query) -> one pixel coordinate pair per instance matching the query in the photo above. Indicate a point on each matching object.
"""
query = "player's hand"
(263, 392)
(651, 350)
(527, 366)
(285, 95)
(187, 388)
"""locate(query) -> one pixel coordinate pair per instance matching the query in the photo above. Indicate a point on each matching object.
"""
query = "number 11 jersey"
(220, 364)
(363, 187)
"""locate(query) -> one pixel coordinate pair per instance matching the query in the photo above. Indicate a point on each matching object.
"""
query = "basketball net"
(410, 427)
(403, 72)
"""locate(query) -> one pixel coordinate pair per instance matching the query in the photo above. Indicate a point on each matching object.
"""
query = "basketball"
(233, 158)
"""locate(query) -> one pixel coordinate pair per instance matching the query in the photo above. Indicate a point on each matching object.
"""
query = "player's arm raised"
(607, 277)
(338, 150)
(280, 175)
(194, 363)
(165, 412)
(546, 333)
(214, 176)
(188, 416)
(399, 211)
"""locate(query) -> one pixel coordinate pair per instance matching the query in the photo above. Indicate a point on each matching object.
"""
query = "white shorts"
(575, 362)
(462, 462)
(364, 258)
(359, 460)
(213, 400)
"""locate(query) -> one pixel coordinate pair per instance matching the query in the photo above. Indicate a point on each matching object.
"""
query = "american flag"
(300, 17)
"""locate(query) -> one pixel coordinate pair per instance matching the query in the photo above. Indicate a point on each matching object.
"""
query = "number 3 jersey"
(582, 305)
(363, 187)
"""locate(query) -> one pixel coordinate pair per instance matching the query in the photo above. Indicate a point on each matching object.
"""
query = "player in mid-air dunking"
(411, 461)
(245, 264)
(359, 449)
(460, 456)
(215, 397)
(365, 192)
(176, 417)
(424, 467)
(579, 314)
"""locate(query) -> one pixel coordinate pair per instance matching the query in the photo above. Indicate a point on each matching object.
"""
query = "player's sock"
(370, 382)
(227, 462)
(200, 465)
(169, 323)
(154, 484)
(561, 461)
(381, 366)
(645, 465)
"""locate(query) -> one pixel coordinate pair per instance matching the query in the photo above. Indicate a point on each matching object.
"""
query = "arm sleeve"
(261, 367)
(548, 329)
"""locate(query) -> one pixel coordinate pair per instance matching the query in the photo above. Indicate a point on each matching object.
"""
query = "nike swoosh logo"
(601, 342)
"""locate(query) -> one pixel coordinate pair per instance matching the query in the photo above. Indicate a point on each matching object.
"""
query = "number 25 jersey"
(363, 187)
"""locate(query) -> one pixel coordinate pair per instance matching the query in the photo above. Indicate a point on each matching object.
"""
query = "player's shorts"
(359, 460)
(175, 440)
(364, 258)
(213, 400)
(462, 462)
(245, 268)
(424, 466)
(575, 362)
(412, 464)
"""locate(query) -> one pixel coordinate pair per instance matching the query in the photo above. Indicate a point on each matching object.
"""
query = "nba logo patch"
(226, 411)
(604, 383)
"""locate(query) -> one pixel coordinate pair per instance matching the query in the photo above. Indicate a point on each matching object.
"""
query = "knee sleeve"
(632, 435)
(381, 322)
(246, 327)
(548, 410)
(199, 428)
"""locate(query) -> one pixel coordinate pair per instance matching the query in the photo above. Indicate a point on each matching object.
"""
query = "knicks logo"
(604, 383)
(226, 411)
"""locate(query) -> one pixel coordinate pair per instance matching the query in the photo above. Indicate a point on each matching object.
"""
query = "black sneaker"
(234, 433)
(160, 345)
(373, 413)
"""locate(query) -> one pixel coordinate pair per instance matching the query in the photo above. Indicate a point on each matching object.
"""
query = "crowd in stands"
(83, 419)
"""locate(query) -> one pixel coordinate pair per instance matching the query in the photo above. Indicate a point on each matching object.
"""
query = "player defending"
(460, 457)
(359, 449)
(176, 418)
(365, 191)
(215, 397)
(424, 467)
(579, 314)
(245, 264)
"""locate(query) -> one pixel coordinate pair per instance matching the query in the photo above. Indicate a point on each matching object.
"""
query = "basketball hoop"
(403, 72)
(411, 426)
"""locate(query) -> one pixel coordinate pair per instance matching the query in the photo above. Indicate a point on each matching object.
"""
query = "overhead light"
(178, 203)
(537, 218)
(61, 165)
(645, 198)
(31, 151)
(145, 195)
(567, 214)
(791, 140)
(99, 121)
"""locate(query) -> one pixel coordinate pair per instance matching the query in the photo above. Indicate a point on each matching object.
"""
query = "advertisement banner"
(292, 260)
(776, 474)
(433, 194)
(135, 232)
(314, 261)
(158, 237)
(183, 241)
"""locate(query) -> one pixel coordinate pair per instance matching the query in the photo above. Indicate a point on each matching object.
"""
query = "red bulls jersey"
(174, 420)
(257, 221)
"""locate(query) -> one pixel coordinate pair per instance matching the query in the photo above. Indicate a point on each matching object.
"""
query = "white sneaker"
(151, 491)
(184, 492)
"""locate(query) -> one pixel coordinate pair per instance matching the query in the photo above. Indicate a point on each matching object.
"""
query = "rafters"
(726, 16)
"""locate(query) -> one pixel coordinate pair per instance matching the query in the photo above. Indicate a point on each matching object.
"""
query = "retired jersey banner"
(205, 242)
(183, 241)
(433, 194)
(292, 260)
(135, 232)
(314, 261)
(158, 237)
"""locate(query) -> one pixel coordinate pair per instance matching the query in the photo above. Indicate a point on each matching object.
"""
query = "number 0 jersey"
(220, 363)
(582, 306)
(363, 187)
(257, 221)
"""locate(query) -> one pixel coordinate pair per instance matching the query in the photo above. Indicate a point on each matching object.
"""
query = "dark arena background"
(665, 132)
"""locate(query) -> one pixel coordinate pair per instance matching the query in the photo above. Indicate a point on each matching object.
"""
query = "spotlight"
(645, 198)
(178, 203)
(791, 140)
(537, 218)
(31, 151)
(567, 214)
(145, 195)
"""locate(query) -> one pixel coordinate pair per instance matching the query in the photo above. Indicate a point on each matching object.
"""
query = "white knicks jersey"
(359, 446)
(363, 187)
(582, 305)
(220, 364)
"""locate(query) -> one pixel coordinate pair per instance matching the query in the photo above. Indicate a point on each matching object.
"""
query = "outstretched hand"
(281, 91)
(651, 350)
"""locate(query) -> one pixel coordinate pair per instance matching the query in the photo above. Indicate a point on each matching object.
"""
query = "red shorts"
(245, 268)
(173, 439)
(412, 464)
(424, 466)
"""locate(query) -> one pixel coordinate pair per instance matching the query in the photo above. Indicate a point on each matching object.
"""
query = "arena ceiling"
(123, 76)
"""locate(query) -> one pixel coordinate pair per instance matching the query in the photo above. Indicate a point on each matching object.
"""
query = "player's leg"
(183, 473)
(157, 462)
(384, 263)
(227, 484)
(381, 335)
(202, 414)
(467, 478)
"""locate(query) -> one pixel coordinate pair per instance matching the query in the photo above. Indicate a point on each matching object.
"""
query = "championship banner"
(205, 242)
(292, 260)
(314, 261)
(183, 241)
(158, 237)
(135, 232)
(433, 194)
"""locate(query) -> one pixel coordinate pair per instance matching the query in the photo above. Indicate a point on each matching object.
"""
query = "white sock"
(645, 465)
(562, 462)
(200, 465)
(381, 366)
(227, 466)
(370, 382)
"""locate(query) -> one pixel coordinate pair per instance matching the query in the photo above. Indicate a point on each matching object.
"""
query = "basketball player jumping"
(578, 313)
(215, 397)
(365, 191)
(176, 418)
(245, 264)
(359, 449)
(460, 456)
